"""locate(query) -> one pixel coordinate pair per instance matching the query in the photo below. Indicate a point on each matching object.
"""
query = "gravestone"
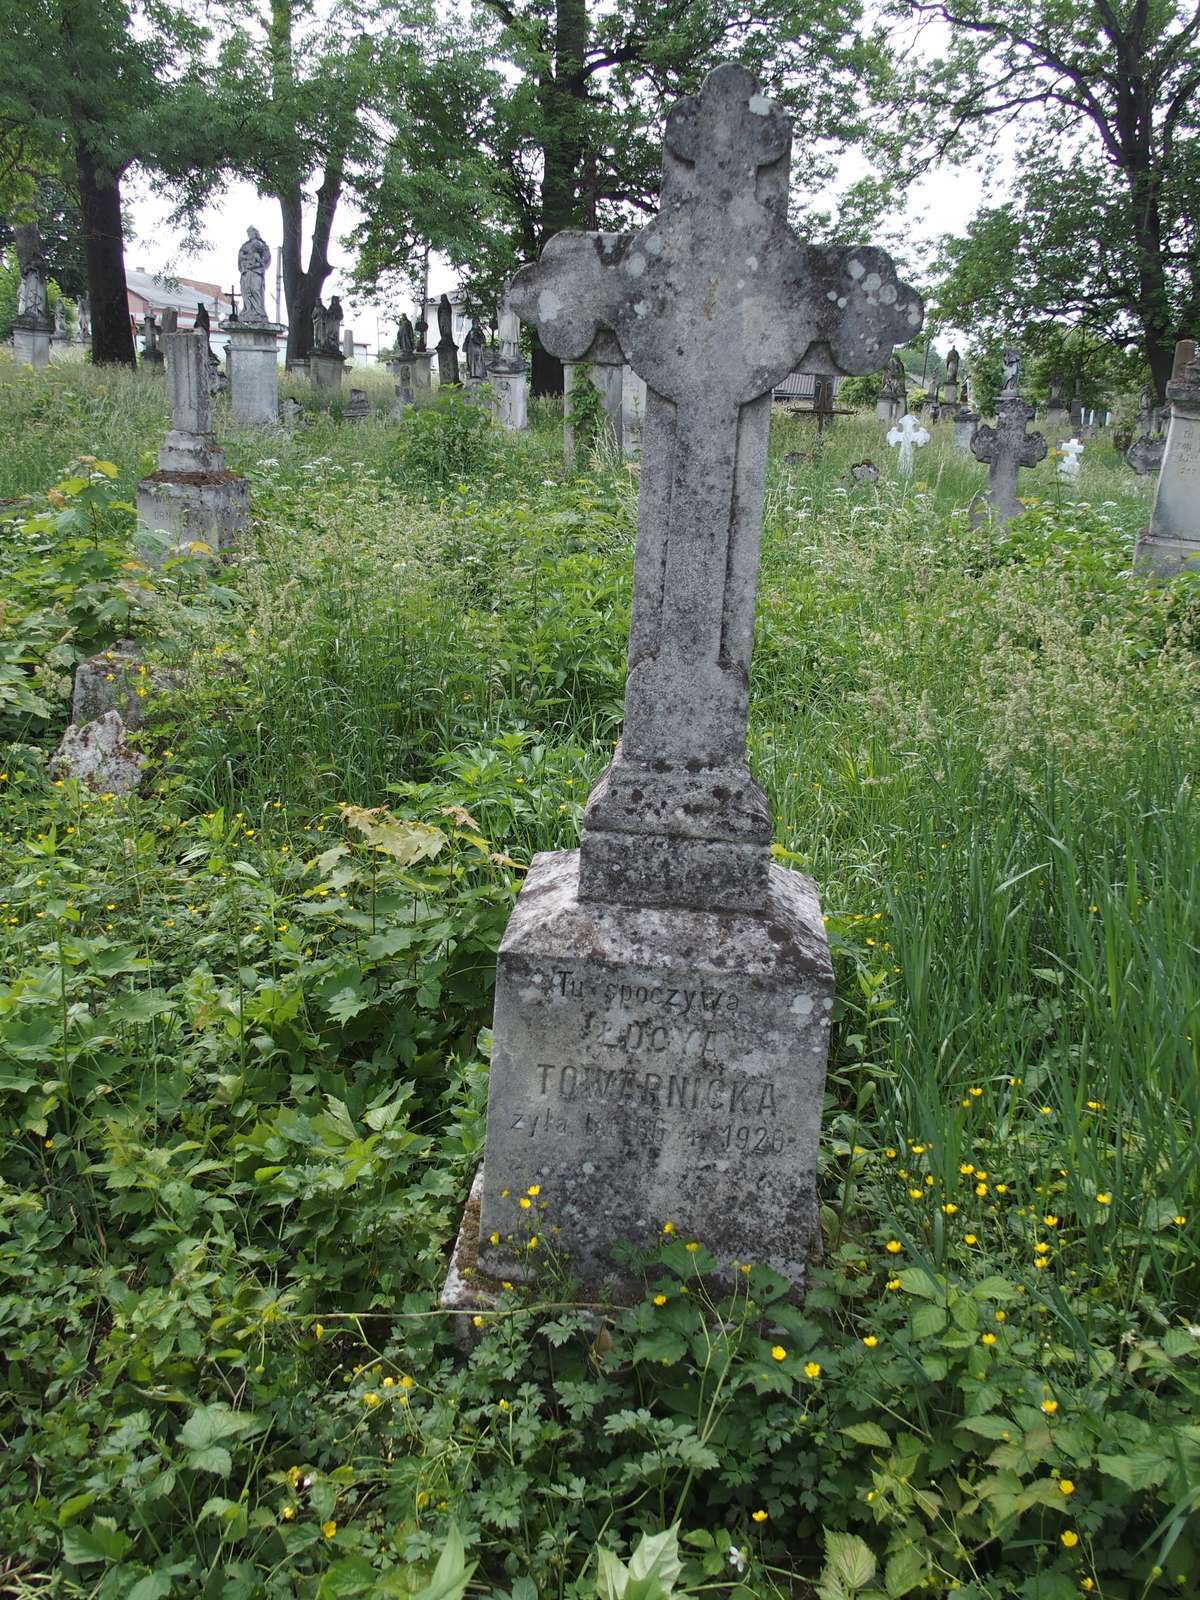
(32, 326)
(510, 386)
(1145, 453)
(1172, 541)
(633, 411)
(325, 360)
(1070, 465)
(893, 401)
(152, 355)
(253, 350)
(192, 497)
(447, 350)
(664, 992)
(358, 406)
(949, 392)
(290, 411)
(1007, 447)
(966, 420)
(907, 435)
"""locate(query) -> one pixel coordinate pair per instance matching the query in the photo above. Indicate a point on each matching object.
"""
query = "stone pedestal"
(422, 363)
(253, 362)
(358, 407)
(325, 370)
(298, 365)
(401, 369)
(447, 357)
(655, 1066)
(192, 497)
(965, 423)
(1172, 542)
(1057, 419)
(889, 407)
(31, 343)
(510, 386)
(608, 377)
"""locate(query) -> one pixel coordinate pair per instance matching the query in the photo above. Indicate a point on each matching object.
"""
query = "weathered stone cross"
(713, 303)
(1005, 448)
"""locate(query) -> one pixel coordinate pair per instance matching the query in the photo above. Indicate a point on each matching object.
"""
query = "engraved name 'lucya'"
(711, 1002)
(622, 1085)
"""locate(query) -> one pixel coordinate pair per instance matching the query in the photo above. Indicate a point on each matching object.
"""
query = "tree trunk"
(307, 284)
(562, 93)
(104, 251)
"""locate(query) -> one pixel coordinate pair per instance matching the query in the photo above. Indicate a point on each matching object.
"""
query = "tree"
(1102, 234)
(572, 128)
(82, 84)
(57, 212)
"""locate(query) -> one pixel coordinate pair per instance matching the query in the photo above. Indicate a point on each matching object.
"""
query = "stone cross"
(1069, 466)
(663, 994)
(713, 303)
(190, 446)
(907, 433)
(1006, 448)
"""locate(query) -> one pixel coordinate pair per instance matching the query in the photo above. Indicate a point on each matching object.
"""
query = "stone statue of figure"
(952, 367)
(473, 348)
(85, 318)
(149, 332)
(963, 396)
(333, 324)
(445, 321)
(1145, 416)
(320, 325)
(1012, 370)
(422, 328)
(32, 299)
(405, 341)
(253, 260)
(60, 318)
(201, 322)
(897, 381)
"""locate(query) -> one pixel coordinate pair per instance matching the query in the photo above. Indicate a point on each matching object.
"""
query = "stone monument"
(966, 420)
(1057, 414)
(1172, 541)
(32, 326)
(253, 358)
(447, 350)
(326, 361)
(152, 355)
(950, 381)
(664, 992)
(192, 497)
(907, 435)
(633, 411)
(358, 407)
(1145, 452)
(1007, 447)
(510, 385)
(893, 397)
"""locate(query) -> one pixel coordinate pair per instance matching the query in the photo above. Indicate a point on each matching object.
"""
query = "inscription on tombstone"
(664, 993)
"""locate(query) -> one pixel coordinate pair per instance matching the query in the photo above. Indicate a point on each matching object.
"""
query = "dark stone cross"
(713, 303)
(1006, 448)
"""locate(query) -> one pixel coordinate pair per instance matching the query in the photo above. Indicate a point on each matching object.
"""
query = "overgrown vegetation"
(243, 1038)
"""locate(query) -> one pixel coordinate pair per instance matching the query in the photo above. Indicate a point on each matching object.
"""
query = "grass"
(981, 743)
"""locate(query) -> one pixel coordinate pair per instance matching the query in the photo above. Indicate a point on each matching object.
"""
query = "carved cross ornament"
(713, 303)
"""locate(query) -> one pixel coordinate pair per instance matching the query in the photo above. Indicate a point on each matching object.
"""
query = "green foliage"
(244, 1032)
(450, 441)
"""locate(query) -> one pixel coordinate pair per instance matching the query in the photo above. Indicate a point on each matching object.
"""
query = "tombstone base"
(253, 363)
(192, 507)
(1166, 558)
(31, 346)
(653, 1066)
(511, 400)
(325, 370)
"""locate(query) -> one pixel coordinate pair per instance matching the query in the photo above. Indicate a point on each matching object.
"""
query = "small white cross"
(1068, 467)
(907, 433)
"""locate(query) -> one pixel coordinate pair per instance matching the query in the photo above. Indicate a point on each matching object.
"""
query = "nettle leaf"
(869, 1433)
(849, 1564)
(927, 1321)
(904, 1571)
(103, 1541)
(915, 1280)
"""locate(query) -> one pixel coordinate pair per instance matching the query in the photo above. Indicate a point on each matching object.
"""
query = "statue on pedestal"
(253, 260)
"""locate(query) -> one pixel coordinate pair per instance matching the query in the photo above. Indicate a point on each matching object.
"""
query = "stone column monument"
(192, 498)
(253, 358)
(1172, 541)
(447, 350)
(664, 992)
(326, 361)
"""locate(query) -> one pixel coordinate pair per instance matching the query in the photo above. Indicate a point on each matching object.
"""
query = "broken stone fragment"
(97, 754)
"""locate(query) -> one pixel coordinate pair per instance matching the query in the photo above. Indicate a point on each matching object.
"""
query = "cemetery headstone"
(1070, 465)
(253, 349)
(633, 411)
(1007, 447)
(152, 355)
(358, 406)
(663, 993)
(60, 320)
(290, 411)
(348, 344)
(510, 384)
(1075, 414)
(1057, 415)
(447, 350)
(326, 361)
(408, 365)
(950, 382)
(892, 402)
(966, 420)
(32, 326)
(907, 435)
(1172, 541)
(192, 498)
(85, 318)
(474, 350)
(865, 471)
